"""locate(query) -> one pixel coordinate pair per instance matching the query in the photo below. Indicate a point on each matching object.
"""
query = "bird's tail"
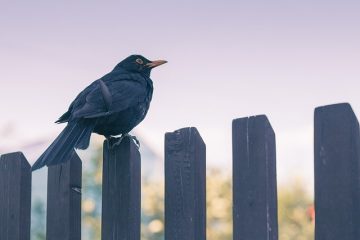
(75, 135)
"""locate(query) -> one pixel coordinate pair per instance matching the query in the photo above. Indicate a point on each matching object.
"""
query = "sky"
(226, 59)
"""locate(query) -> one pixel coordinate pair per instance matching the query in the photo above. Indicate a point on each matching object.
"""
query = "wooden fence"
(337, 185)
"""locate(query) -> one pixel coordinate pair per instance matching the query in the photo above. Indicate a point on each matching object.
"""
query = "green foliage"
(219, 205)
(38, 220)
(152, 211)
(91, 197)
(295, 210)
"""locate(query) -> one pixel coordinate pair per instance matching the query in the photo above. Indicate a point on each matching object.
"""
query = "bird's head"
(138, 64)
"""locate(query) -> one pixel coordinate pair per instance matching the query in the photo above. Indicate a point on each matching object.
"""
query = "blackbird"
(112, 105)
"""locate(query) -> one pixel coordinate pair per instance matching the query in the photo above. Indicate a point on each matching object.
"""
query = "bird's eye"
(139, 61)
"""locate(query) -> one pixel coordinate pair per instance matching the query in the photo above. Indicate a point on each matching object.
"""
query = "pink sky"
(227, 59)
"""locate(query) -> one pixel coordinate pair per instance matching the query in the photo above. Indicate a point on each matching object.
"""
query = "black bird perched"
(110, 106)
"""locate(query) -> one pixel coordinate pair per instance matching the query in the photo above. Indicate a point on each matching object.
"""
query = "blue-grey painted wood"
(121, 192)
(185, 185)
(63, 218)
(337, 173)
(15, 197)
(254, 179)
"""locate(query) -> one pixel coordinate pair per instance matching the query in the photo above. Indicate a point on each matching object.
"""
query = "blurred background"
(227, 59)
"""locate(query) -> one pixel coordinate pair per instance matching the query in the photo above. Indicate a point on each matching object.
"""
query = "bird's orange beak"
(156, 63)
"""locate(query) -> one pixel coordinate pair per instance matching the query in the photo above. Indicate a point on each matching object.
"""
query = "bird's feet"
(134, 138)
(115, 141)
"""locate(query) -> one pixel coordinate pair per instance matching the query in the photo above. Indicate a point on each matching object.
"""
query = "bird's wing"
(111, 95)
(78, 102)
(106, 94)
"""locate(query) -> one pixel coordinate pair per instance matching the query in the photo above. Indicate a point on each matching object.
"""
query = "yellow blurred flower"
(156, 226)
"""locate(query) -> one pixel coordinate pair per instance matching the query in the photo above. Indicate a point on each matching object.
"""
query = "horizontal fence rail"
(337, 185)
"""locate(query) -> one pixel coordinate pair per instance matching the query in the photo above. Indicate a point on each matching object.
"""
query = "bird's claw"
(136, 141)
(113, 142)
(116, 141)
(134, 138)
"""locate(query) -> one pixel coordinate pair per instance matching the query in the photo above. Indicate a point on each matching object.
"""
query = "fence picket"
(185, 185)
(15, 197)
(254, 179)
(121, 191)
(337, 173)
(63, 218)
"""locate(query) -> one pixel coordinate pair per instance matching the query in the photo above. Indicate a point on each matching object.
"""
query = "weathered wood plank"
(254, 179)
(185, 185)
(337, 173)
(63, 221)
(15, 197)
(121, 193)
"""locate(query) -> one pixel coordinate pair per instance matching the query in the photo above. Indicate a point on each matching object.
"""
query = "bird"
(110, 106)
